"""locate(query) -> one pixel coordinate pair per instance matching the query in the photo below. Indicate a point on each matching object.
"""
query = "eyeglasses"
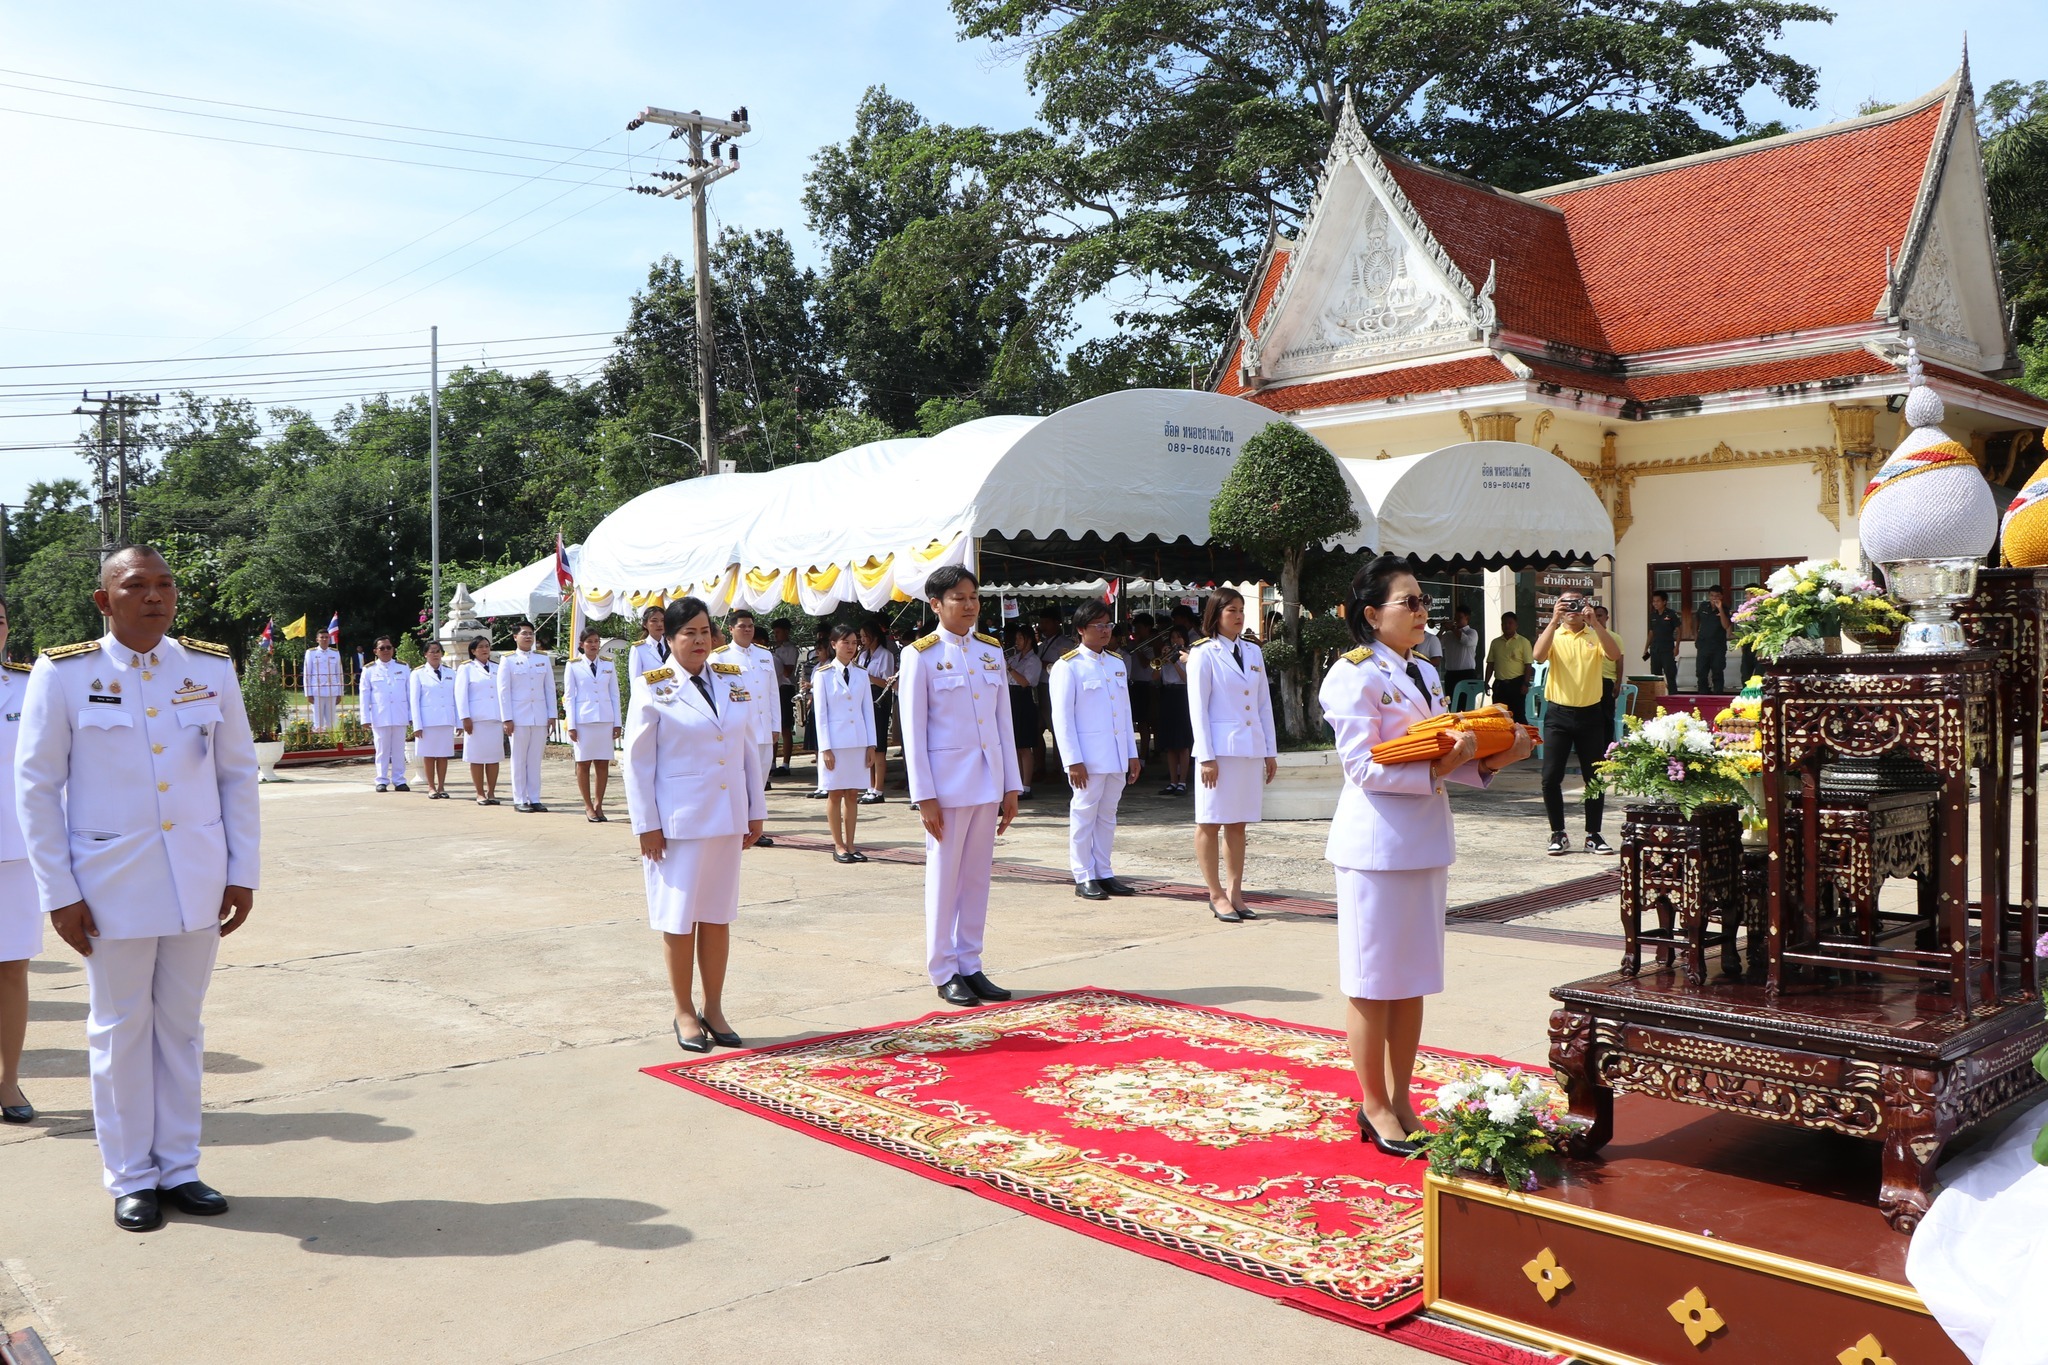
(1414, 601)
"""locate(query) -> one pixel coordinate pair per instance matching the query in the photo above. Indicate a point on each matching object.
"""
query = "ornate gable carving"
(1931, 302)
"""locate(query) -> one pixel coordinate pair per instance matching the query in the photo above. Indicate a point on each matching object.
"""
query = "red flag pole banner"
(1222, 1143)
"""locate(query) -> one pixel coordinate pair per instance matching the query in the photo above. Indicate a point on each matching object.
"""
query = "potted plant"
(1804, 608)
(263, 700)
(1675, 760)
(1498, 1123)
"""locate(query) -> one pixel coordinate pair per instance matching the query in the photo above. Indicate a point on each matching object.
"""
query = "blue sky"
(119, 245)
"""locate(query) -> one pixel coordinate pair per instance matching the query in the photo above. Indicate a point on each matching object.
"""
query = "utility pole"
(704, 171)
(113, 505)
(434, 475)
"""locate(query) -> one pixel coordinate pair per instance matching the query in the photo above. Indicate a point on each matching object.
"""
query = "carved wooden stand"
(1687, 871)
(1876, 1060)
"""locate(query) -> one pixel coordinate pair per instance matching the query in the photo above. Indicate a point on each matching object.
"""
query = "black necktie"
(705, 688)
(1237, 655)
(593, 668)
(1415, 676)
(661, 648)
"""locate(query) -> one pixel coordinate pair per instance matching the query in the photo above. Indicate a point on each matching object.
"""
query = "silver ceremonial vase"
(1930, 590)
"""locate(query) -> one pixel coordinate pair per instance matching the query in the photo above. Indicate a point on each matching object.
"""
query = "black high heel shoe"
(1392, 1147)
(701, 1043)
(18, 1113)
(722, 1037)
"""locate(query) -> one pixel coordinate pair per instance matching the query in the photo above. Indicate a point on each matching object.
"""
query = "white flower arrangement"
(1503, 1123)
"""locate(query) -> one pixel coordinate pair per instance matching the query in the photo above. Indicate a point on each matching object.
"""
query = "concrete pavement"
(423, 1100)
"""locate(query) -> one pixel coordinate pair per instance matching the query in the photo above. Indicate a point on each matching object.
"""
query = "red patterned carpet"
(1223, 1143)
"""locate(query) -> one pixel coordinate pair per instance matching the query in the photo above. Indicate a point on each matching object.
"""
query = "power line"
(274, 355)
(578, 353)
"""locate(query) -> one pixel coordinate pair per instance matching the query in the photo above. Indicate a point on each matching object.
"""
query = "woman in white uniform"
(844, 704)
(483, 728)
(1391, 841)
(591, 701)
(1236, 749)
(693, 788)
(432, 695)
(21, 913)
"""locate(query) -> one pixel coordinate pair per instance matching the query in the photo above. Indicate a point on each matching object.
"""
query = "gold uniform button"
(167, 824)
(149, 711)
(156, 748)
(163, 786)
(721, 786)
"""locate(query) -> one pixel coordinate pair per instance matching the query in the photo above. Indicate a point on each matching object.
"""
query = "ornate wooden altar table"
(1886, 1060)
(1687, 871)
(1943, 711)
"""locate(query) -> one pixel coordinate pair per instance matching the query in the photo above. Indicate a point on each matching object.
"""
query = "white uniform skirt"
(1390, 932)
(486, 744)
(1236, 797)
(21, 912)
(696, 882)
(594, 741)
(848, 773)
(435, 741)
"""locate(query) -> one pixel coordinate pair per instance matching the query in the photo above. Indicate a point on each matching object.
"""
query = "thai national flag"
(268, 626)
(1109, 594)
(565, 579)
(334, 630)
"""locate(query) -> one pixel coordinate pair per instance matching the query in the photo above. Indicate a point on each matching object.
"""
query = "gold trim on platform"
(1710, 1248)
(1523, 1333)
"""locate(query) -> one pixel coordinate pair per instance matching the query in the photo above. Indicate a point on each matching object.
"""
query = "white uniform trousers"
(767, 752)
(390, 741)
(1091, 825)
(324, 709)
(956, 873)
(21, 914)
(145, 1048)
(528, 743)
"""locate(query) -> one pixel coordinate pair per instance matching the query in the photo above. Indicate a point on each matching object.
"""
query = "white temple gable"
(1946, 285)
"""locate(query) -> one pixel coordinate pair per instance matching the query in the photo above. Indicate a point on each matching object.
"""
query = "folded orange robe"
(1429, 740)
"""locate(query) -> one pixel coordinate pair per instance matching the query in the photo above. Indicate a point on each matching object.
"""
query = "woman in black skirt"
(1176, 733)
(1025, 725)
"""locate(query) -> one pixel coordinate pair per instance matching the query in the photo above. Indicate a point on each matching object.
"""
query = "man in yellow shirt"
(1575, 720)
(1610, 669)
(1508, 661)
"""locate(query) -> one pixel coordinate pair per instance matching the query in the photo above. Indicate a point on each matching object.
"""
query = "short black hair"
(589, 632)
(681, 612)
(779, 623)
(1087, 614)
(476, 640)
(1661, 596)
(839, 632)
(523, 625)
(1212, 610)
(651, 609)
(1369, 588)
(383, 640)
(742, 614)
(947, 577)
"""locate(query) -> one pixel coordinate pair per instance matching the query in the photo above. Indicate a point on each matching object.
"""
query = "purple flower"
(1676, 770)
(1611, 748)
(2041, 946)
(1529, 1185)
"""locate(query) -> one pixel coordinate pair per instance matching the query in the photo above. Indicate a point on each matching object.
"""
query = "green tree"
(1283, 498)
(53, 557)
(2014, 124)
(1179, 134)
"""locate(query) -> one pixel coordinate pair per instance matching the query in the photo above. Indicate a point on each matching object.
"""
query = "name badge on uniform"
(102, 699)
(13, 716)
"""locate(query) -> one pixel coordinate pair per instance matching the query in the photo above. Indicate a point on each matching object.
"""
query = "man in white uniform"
(1091, 720)
(962, 758)
(136, 782)
(321, 673)
(526, 699)
(785, 653)
(386, 693)
(757, 677)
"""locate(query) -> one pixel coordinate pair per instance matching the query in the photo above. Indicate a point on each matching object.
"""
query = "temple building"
(1716, 343)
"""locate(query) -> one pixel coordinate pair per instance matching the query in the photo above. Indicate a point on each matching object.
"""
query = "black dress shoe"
(983, 987)
(956, 992)
(1245, 912)
(1090, 890)
(764, 842)
(701, 1043)
(1232, 918)
(537, 807)
(724, 1037)
(839, 857)
(1391, 1146)
(401, 787)
(195, 1197)
(18, 1113)
(1116, 886)
(138, 1212)
(856, 857)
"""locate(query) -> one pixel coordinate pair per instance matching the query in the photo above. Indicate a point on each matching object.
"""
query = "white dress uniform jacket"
(21, 912)
(647, 656)
(526, 688)
(758, 679)
(1091, 711)
(690, 769)
(1231, 707)
(844, 718)
(322, 672)
(1390, 817)
(476, 693)
(591, 694)
(957, 742)
(386, 690)
(433, 698)
(136, 783)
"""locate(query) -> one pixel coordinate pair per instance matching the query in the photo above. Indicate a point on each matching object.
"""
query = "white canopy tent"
(869, 524)
(1484, 504)
(531, 591)
(1081, 591)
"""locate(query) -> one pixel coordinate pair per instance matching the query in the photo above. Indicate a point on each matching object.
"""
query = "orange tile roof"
(1275, 268)
(1789, 237)
(1767, 374)
(1964, 379)
(1537, 290)
(1363, 388)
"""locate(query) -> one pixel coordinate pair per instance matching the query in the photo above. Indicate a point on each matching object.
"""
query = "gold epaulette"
(1070, 654)
(68, 651)
(988, 639)
(727, 668)
(655, 675)
(1205, 640)
(13, 667)
(722, 648)
(203, 647)
(926, 643)
(1359, 655)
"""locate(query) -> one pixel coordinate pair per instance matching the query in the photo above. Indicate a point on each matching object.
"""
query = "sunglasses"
(1414, 601)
